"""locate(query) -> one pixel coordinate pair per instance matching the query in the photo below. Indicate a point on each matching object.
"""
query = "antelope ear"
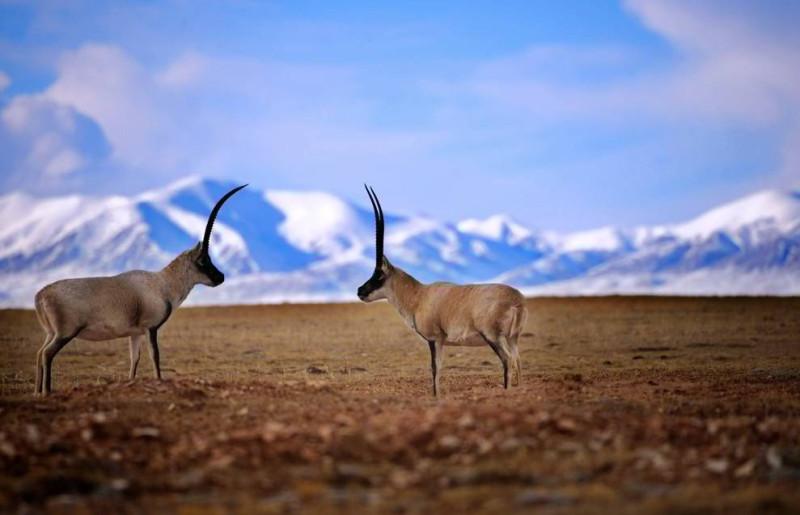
(197, 248)
(386, 266)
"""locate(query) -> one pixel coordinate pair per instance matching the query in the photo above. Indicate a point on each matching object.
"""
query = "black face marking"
(207, 268)
(373, 283)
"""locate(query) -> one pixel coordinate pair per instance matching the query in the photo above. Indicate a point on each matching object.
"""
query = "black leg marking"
(49, 353)
(134, 366)
(503, 358)
(167, 314)
(434, 371)
(154, 355)
(135, 344)
(39, 363)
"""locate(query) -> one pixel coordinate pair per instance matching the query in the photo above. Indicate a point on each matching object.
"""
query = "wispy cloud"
(739, 64)
(205, 114)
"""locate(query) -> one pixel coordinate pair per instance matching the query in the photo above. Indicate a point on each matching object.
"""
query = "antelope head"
(375, 287)
(201, 259)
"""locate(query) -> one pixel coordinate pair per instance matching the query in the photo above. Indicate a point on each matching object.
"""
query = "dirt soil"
(628, 405)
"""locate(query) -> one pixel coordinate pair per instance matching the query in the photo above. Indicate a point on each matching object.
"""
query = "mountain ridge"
(279, 245)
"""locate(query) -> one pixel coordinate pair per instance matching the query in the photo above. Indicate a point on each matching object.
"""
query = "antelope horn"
(379, 226)
(213, 216)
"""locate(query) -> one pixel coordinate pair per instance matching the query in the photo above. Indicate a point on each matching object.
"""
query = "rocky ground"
(628, 405)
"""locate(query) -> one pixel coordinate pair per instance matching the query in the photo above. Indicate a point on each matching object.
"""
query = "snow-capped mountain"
(292, 246)
(750, 246)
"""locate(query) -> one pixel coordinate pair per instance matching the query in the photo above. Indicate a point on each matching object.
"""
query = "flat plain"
(627, 405)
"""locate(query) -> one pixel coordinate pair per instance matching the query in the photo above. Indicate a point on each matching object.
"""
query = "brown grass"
(629, 405)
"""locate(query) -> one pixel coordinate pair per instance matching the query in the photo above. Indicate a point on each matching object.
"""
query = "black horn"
(379, 226)
(213, 216)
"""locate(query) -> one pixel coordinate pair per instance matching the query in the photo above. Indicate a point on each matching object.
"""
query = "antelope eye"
(201, 261)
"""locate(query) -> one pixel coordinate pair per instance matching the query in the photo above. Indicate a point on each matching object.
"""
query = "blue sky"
(566, 115)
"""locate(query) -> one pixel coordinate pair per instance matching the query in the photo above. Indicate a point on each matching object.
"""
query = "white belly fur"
(472, 340)
(105, 332)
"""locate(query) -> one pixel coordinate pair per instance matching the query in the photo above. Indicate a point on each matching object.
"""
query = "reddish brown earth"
(628, 405)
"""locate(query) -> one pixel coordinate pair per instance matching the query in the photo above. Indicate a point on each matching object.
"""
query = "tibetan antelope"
(448, 314)
(133, 304)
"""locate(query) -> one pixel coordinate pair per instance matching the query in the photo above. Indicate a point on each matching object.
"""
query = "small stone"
(32, 433)
(466, 421)
(353, 472)
(657, 460)
(717, 466)
(190, 479)
(450, 442)
(537, 497)
(746, 469)
(484, 446)
(221, 462)
(401, 479)
(767, 427)
(119, 484)
(566, 425)
(146, 432)
(7, 449)
(774, 458)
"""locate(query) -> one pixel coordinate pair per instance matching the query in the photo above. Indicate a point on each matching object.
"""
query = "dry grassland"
(628, 405)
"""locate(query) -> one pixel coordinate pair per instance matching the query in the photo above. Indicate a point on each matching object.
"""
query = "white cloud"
(107, 85)
(184, 72)
(5, 80)
(34, 113)
(730, 69)
(738, 62)
(59, 160)
(208, 115)
(743, 59)
(45, 135)
(718, 88)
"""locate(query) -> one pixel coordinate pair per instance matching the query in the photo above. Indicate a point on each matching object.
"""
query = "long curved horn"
(213, 216)
(379, 226)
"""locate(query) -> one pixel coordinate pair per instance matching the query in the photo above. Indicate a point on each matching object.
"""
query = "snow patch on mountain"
(773, 208)
(322, 223)
(496, 227)
(714, 282)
